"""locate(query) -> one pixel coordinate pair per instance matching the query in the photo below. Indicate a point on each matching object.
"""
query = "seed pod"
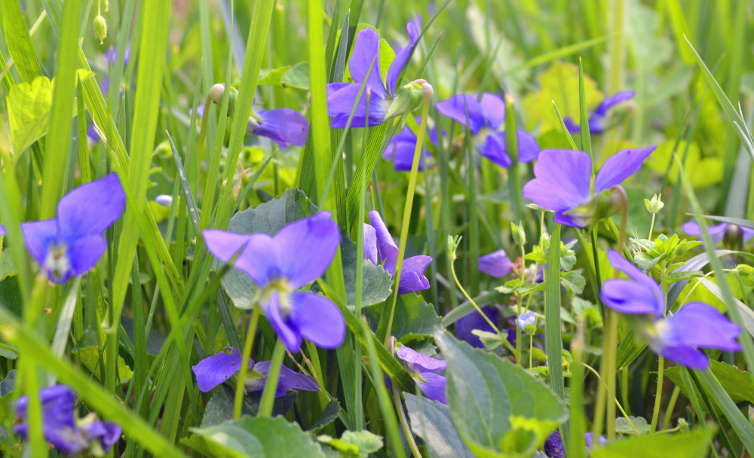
(100, 28)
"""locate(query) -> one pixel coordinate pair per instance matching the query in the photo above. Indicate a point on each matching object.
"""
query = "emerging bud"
(605, 204)
(733, 237)
(409, 97)
(100, 28)
(216, 93)
(518, 233)
(654, 205)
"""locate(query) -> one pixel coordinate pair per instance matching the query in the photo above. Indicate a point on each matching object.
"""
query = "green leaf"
(220, 406)
(257, 436)
(414, 317)
(377, 282)
(272, 76)
(90, 358)
(431, 421)
(702, 171)
(637, 425)
(491, 398)
(690, 444)
(29, 106)
(297, 77)
(354, 443)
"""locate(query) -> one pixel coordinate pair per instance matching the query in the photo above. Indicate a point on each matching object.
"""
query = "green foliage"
(692, 444)
(28, 106)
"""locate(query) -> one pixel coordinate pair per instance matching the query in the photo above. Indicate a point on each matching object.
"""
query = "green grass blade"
(18, 40)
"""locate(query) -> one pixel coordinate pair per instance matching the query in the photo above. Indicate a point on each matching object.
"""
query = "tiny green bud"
(216, 93)
(100, 28)
(518, 233)
(654, 205)
(409, 97)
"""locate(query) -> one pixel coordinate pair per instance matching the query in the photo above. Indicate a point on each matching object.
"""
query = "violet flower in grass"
(400, 150)
(475, 320)
(71, 243)
(495, 264)
(484, 116)
(60, 427)
(373, 105)
(380, 248)
(425, 372)
(553, 447)
(598, 116)
(216, 369)
(282, 125)
(526, 322)
(562, 183)
(297, 255)
(718, 231)
(678, 337)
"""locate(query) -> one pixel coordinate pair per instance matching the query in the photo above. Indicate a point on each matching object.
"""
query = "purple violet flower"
(377, 95)
(59, 422)
(378, 241)
(716, 232)
(474, 320)
(72, 243)
(283, 126)
(484, 116)
(424, 370)
(495, 264)
(400, 150)
(525, 320)
(277, 267)
(599, 115)
(678, 337)
(554, 444)
(562, 180)
(216, 369)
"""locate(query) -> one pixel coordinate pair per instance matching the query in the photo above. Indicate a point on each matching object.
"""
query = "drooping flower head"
(718, 232)
(598, 116)
(216, 369)
(375, 100)
(59, 424)
(297, 255)
(484, 116)
(562, 182)
(495, 264)
(380, 248)
(473, 321)
(71, 243)
(679, 337)
(425, 372)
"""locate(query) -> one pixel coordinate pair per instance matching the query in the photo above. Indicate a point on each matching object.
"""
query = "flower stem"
(669, 408)
(404, 424)
(248, 343)
(428, 91)
(271, 383)
(658, 394)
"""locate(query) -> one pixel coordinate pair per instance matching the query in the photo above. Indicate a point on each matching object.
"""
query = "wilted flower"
(377, 96)
(72, 243)
(216, 369)
(60, 427)
(599, 115)
(495, 264)
(424, 370)
(484, 116)
(378, 241)
(276, 265)
(562, 183)
(678, 337)
(475, 320)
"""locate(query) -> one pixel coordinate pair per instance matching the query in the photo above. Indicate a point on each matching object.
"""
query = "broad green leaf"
(377, 282)
(701, 171)
(431, 421)
(272, 76)
(354, 443)
(253, 436)
(493, 403)
(559, 83)
(414, 317)
(29, 106)
(737, 383)
(637, 425)
(692, 444)
(297, 77)
(220, 406)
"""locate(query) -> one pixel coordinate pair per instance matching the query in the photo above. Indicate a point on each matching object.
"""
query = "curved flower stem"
(428, 92)
(247, 345)
(669, 408)
(658, 394)
(617, 403)
(271, 382)
(404, 424)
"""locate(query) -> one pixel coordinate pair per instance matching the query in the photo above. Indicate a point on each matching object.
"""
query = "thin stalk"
(670, 407)
(658, 394)
(404, 425)
(271, 383)
(428, 92)
(247, 346)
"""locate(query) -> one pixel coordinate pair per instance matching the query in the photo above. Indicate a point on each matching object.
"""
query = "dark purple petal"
(571, 125)
(554, 446)
(288, 379)
(107, 433)
(58, 418)
(84, 253)
(620, 166)
(317, 319)
(317, 237)
(640, 296)
(561, 180)
(686, 356)
(400, 151)
(528, 148)
(474, 320)
(495, 264)
(91, 208)
(259, 259)
(284, 126)
(433, 386)
(412, 274)
(216, 369)
(570, 220)
(716, 232)
(370, 243)
(419, 362)
(493, 110)
(341, 100)
(611, 101)
(413, 28)
(365, 57)
(494, 149)
(283, 328)
(38, 235)
(699, 325)
(465, 109)
(386, 246)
